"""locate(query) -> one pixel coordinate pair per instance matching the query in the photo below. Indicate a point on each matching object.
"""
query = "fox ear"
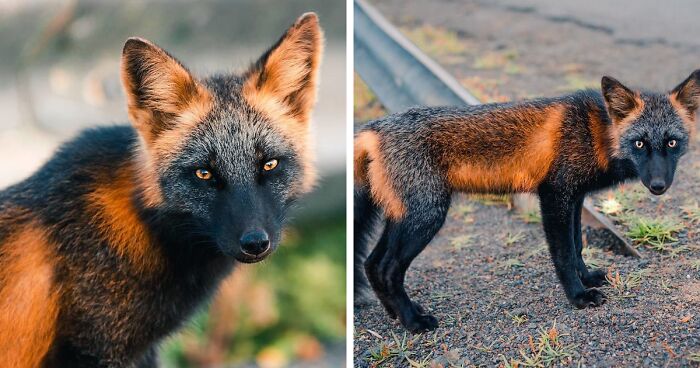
(687, 94)
(620, 100)
(160, 92)
(283, 81)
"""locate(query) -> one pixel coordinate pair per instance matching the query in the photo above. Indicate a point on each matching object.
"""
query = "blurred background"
(59, 73)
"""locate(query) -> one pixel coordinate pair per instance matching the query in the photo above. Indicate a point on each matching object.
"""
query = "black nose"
(657, 185)
(255, 243)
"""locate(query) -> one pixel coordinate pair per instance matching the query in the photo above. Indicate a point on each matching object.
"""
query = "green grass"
(462, 241)
(545, 350)
(531, 216)
(293, 302)
(518, 319)
(623, 286)
(654, 233)
(397, 350)
(694, 357)
(511, 263)
(464, 209)
(514, 238)
(691, 212)
(592, 256)
(438, 42)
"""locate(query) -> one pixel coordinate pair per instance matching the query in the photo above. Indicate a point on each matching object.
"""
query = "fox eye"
(270, 165)
(203, 174)
(639, 144)
(672, 143)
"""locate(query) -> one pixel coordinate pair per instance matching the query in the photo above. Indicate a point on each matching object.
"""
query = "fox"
(127, 230)
(408, 165)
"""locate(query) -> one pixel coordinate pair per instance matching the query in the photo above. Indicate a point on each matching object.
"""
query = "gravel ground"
(487, 276)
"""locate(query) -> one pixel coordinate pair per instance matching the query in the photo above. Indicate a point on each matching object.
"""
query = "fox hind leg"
(404, 241)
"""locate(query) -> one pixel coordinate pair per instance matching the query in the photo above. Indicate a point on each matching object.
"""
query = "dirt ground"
(487, 275)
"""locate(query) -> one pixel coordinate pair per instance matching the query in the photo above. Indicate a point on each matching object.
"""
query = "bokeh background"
(59, 73)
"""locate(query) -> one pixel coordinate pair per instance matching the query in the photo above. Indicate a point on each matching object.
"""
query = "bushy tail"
(365, 219)
(366, 216)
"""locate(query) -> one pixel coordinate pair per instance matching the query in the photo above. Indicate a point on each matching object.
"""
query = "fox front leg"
(558, 220)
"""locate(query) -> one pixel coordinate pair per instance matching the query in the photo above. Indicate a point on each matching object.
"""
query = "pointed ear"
(160, 92)
(620, 100)
(283, 82)
(687, 94)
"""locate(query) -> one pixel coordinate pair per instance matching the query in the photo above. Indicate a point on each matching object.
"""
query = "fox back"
(113, 243)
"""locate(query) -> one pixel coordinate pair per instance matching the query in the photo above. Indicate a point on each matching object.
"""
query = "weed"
(491, 199)
(610, 206)
(499, 60)
(544, 351)
(665, 285)
(512, 238)
(462, 241)
(398, 350)
(623, 285)
(695, 264)
(366, 105)
(656, 233)
(485, 89)
(518, 319)
(691, 212)
(438, 42)
(511, 263)
(464, 209)
(694, 357)
(592, 257)
(531, 216)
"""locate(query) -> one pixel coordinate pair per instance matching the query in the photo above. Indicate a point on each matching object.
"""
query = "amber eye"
(672, 143)
(203, 174)
(639, 144)
(270, 165)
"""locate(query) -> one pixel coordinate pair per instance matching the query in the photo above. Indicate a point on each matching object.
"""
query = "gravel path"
(487, 275)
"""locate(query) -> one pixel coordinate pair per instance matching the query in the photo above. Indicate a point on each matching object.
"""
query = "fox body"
(407, 166)
(112, 244)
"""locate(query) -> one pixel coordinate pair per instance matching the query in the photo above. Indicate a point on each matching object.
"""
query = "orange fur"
(521, 170)
(601, 139)
(619, 127)
(29, 299)
(687, 117)
(371, 170)
(284, 87)
(166, 97)
(117, 220)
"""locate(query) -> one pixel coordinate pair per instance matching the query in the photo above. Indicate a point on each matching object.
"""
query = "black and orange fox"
(408, 165)
(112, 244)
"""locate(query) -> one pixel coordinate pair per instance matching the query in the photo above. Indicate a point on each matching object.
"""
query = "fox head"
(652, 129)
(229, 153)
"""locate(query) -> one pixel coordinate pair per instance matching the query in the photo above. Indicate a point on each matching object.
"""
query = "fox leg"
(557, 218)
(594, 278)
(405, 240)
(372, 271)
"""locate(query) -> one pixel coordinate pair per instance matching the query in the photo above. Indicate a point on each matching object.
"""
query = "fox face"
(652, 130)
(228, 153)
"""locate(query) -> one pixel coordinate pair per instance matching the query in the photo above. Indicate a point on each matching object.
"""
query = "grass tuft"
(531, 217)
(623, 286)
(513, 238)
(544, 351)
(654, 233)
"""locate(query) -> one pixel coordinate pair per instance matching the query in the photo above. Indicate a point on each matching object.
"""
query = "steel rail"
(402, 76)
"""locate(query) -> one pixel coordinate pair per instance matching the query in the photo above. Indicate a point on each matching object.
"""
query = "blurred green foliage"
(303, 311)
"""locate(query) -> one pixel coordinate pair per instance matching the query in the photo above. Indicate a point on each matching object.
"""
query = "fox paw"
(595, 278)
(589, 298)
(421, 323)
